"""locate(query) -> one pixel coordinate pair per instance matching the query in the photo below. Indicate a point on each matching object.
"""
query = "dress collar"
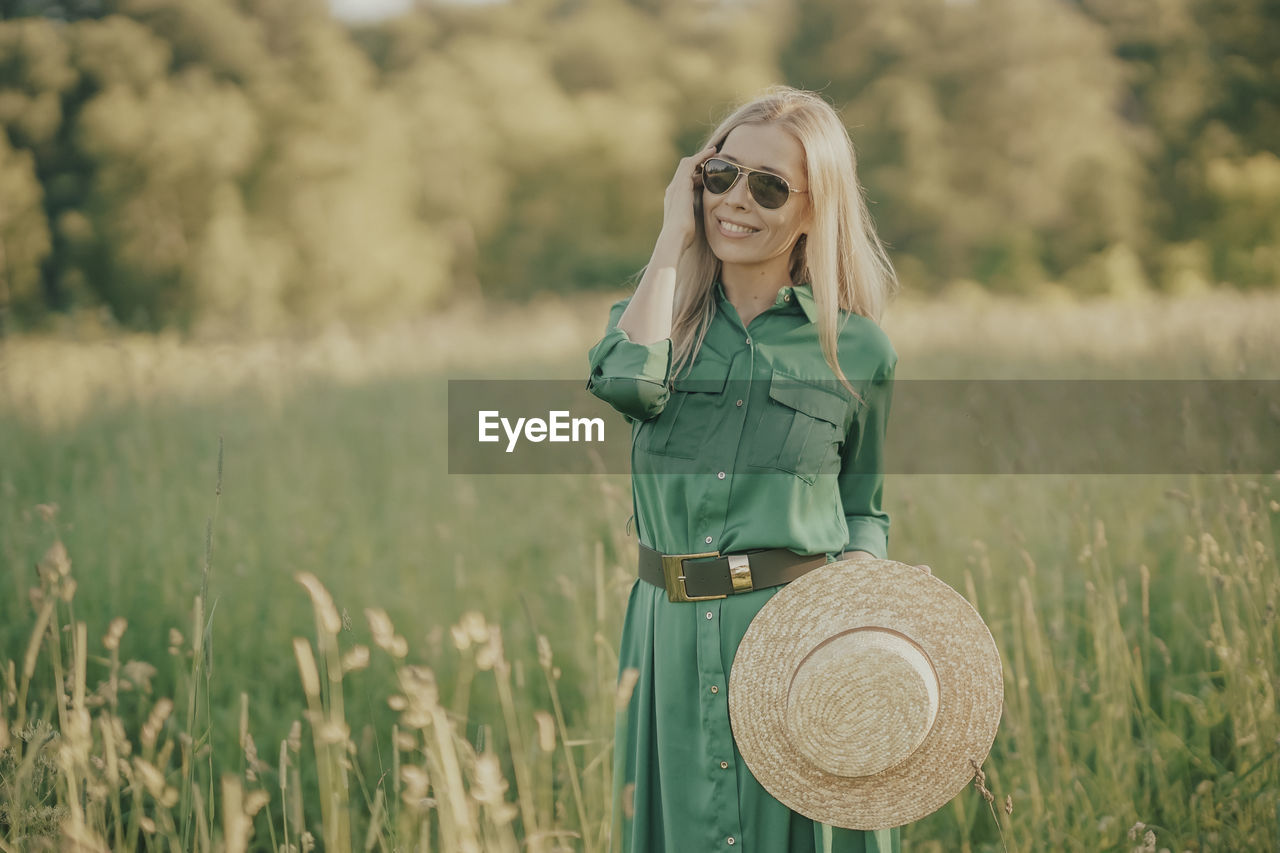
(801, 293)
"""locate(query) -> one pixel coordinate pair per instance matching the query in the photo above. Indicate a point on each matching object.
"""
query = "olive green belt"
(701, 577)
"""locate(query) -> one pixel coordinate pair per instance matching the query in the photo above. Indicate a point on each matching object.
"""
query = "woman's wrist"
(647, 319)
(668, 248)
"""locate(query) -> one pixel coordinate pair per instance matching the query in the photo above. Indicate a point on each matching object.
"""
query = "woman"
(757, 383)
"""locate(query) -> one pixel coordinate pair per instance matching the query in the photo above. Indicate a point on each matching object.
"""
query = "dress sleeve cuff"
(870, 535)
(631, 377)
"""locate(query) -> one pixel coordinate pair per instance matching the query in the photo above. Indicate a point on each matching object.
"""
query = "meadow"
(244, 606)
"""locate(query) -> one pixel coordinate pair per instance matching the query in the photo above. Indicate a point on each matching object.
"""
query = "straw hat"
(862, 692)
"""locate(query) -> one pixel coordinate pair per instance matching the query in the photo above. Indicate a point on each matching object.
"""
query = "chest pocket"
(692, 413)
(803, 426)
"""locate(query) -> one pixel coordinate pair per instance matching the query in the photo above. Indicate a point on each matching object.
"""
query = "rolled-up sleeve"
(631, 377)
(862, 468)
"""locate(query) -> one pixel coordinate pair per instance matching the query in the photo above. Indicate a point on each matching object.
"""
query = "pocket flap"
(707, 376)
(821, 399)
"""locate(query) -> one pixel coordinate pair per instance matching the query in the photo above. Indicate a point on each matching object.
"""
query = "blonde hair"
(841, 256)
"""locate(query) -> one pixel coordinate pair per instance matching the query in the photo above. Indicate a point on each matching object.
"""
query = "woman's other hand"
(865, 555)
(679, 217)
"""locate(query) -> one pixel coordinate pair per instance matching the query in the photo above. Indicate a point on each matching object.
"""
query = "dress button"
(748, 341)
(724, 765)
(715, 688)
(720, 475)
(739, 402)
(786, 297)
(709, 614)
(708, 540)
(731, 841)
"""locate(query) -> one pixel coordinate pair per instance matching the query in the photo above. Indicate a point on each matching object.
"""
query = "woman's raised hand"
(648, 317)
(679, 218)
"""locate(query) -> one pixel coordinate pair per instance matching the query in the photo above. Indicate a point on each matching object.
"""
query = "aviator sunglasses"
(769, 190)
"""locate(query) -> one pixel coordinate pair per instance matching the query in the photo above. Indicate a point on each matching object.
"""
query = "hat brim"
(846, 596)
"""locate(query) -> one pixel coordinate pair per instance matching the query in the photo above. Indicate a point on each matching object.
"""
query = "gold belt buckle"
(673, 574)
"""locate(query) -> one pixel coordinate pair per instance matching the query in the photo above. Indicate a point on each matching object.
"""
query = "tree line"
(255, 165)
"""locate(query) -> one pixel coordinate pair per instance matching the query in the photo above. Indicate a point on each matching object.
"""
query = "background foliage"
(255, 165)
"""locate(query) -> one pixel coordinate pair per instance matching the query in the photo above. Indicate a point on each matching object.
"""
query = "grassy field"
(243, 605)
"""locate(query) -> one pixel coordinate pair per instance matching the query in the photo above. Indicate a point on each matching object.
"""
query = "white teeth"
(736, 229)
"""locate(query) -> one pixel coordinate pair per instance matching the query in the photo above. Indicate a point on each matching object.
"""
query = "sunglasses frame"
(748, 171)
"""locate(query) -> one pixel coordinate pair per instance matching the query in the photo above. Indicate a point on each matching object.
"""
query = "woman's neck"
(752, 289)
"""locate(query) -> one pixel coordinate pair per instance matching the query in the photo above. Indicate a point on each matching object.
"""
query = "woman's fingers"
(681, 196)
(698, 157)
(690, 165)
(686, 171)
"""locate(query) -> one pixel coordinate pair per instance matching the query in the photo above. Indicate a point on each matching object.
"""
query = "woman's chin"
(730, 252)
(738, 259)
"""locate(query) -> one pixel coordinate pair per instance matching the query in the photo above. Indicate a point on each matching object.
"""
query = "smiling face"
(739, 231)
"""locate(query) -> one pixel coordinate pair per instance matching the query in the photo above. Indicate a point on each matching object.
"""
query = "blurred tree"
(1243, 36)
(161, 154)
(338, 182)
(1205, 85)
(247, 165)
(229, 165)
(65, 10)
(40, 88)
(216, 35)
(35, 71)
(988, 131)
(123, 234)
(1245, 229)
(561, 123)
(24, 234)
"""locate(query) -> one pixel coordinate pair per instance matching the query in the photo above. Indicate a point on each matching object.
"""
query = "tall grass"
(84, 770)
(327, 643)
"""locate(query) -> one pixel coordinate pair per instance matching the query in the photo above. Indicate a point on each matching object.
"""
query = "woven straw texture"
(861, 693)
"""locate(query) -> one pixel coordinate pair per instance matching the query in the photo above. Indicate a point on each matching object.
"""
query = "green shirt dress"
(755, 445)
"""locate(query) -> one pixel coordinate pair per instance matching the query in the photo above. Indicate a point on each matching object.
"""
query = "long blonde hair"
(841, 256)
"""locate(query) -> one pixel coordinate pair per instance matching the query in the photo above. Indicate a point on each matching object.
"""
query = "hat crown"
(861, 701)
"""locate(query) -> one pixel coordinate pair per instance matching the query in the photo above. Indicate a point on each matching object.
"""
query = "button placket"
(708, 528)
(726, 822)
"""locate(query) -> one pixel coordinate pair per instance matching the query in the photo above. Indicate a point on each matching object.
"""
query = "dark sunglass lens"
(718, 175)
(769, 191)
